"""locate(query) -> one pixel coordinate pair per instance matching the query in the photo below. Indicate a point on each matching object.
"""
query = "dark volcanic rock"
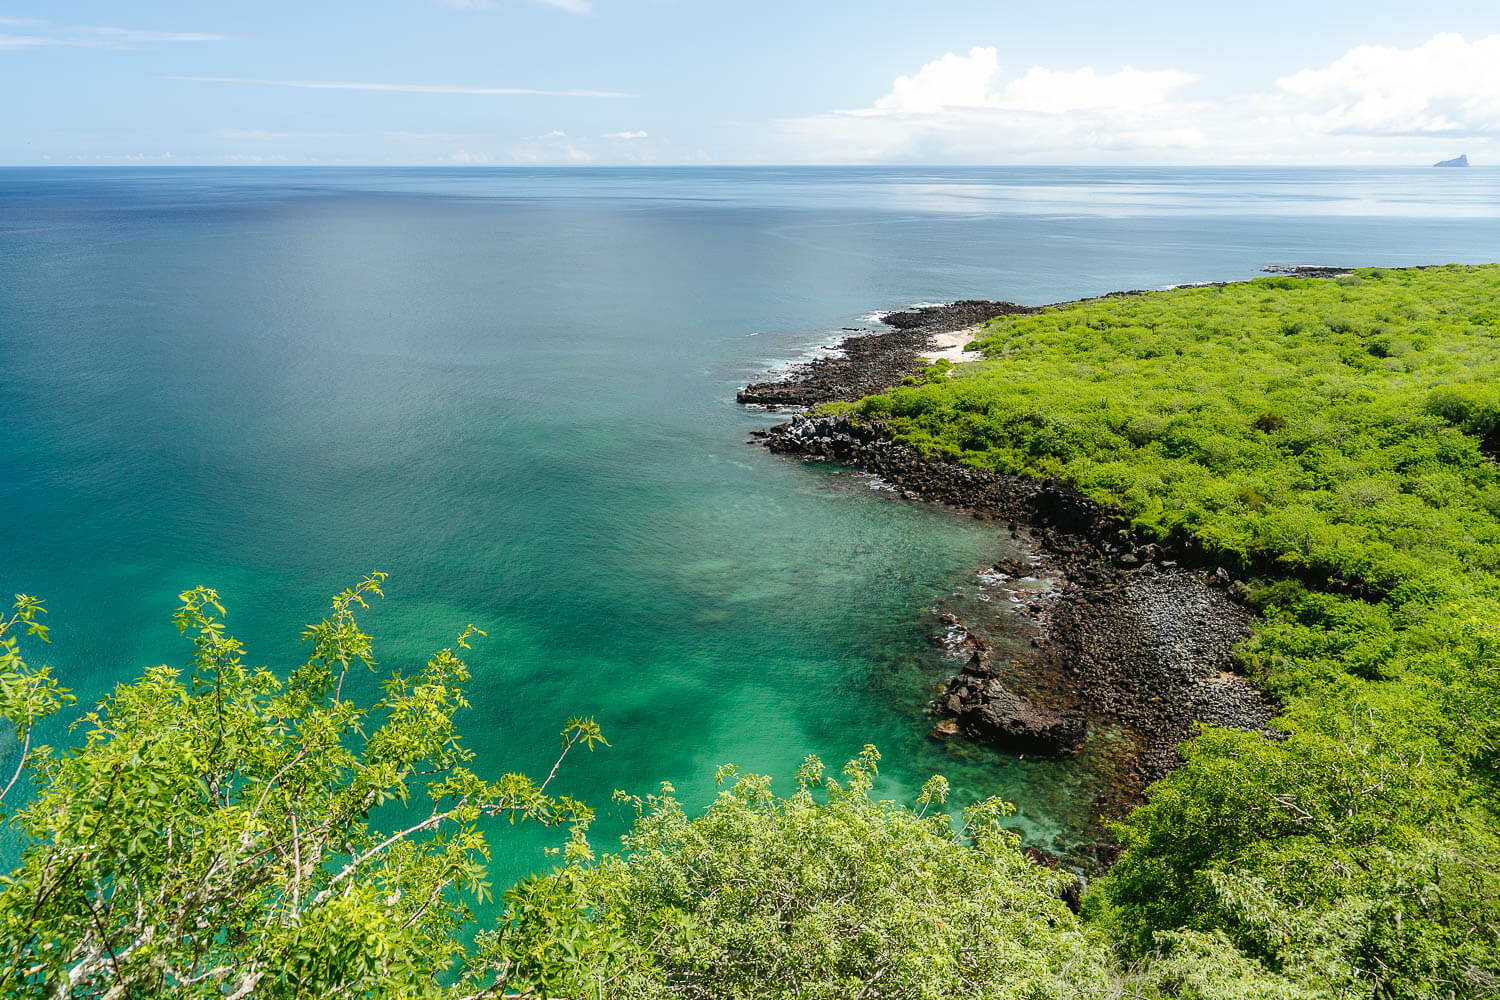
(1308, 270)
(998, 715)
(1145, 645)
(953, 316)
(872, 362)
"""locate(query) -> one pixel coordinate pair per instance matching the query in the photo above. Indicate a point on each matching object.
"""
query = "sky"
(608, 82)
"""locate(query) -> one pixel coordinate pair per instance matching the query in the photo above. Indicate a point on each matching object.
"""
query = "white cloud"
(555, 147)
(403, 88)
(954, 81)
(961, 109)
(1052, 92)
(958, 82)
(571, 6)
(1445, 87)
(9, 41)
(130, 36)
(1371, 105)
(42, 35)
(123, 158)
(531, 154)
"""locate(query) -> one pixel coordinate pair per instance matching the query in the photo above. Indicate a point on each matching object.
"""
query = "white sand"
(951, 346)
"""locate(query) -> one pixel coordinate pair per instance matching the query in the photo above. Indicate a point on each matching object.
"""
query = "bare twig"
(20, 764)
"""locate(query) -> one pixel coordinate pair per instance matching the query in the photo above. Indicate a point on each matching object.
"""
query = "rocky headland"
(1131, 636)
(869, 363)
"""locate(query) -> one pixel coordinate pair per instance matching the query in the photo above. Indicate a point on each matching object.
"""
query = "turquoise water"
(513, 391)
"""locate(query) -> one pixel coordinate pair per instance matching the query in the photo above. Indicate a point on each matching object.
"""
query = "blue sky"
(720, 81)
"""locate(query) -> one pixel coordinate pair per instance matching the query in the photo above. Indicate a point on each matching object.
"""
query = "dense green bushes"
(829, 894)
(785, 897)
(1329, 426)
(215, 833)
(1310, 430)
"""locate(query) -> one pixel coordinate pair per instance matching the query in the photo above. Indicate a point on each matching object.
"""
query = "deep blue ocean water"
(513, 390)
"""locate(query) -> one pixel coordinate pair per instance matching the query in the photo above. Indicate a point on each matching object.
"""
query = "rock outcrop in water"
(978, 704)
(987, 710)
(1461, 160)
(1135, 635)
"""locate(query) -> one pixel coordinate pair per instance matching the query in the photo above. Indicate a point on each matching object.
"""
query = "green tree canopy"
(212, 834)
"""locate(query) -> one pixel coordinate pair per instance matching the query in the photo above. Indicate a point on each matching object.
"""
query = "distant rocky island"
(1461, 160)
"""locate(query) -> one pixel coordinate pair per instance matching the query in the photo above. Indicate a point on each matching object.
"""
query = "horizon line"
(511, 165)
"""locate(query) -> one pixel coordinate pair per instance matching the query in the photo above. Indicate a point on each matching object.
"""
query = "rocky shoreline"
(874, 361)
(869, 363)
(1132, 636)
(1138, 635)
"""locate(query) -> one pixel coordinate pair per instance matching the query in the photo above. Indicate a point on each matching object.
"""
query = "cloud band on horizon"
(41, 35)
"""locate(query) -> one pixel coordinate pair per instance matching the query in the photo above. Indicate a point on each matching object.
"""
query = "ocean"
(513, 390)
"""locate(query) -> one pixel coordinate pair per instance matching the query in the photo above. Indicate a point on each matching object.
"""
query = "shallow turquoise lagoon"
(513, 391)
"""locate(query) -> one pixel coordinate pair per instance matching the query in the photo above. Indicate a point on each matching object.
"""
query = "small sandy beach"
(951, 346)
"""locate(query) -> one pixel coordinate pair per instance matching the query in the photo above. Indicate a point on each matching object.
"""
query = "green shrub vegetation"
(1304, 431)
(212, 834)
(221, 831)
(770, 897)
